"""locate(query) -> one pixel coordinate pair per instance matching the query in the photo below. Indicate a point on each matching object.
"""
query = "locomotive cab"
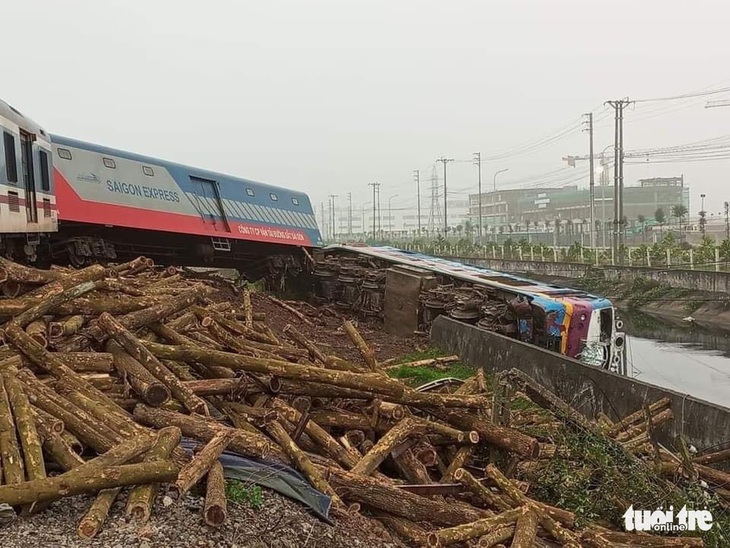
(27, 201)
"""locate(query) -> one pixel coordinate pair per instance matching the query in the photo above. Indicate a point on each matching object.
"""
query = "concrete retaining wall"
(689, 279)
(588, 389)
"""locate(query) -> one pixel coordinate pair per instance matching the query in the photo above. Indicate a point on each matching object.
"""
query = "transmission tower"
(434, 214)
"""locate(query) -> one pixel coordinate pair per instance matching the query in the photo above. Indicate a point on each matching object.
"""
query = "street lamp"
(494, 196)
(390, 215)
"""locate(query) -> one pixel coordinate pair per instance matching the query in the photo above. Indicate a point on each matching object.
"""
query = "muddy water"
(684, 357)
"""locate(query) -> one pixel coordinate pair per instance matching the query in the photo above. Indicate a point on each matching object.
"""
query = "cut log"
(10, 271)
(502, 437)
(234, 389)
(294, 311)
(637, 416)
(426, 363)
(30, 442)
(91, 523)
(58, 449)
(49, 304)
(37, 331)
(48, 361)
(344, 420)
(548, 400)
(142, 497)
(140, 318)
(137, 351)
(82, 480)
(73, 419)
(460, 459)
(633, 431)
(525, 530)
(320, 436)
(193, 472)
(385, 445)
(379, 495)
(411, 468)
(711, 458)
(365, 382)
(51, 423)
(203, 429)
(404, 528)
(12, 462)
(143, 382)
(314, 352)
(460, 533)
(69, 326)
(301, 461)
(365, 351)
(547, 515)
(477, 488)
(494, 538)
(215, 509)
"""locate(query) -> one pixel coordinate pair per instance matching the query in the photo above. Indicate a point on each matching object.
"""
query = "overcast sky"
(325, 96)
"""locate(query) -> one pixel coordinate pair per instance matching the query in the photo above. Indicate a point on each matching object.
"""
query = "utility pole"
(375, 186)
(478, 162)
(324, 225)
(417, 179)
(618, 177)
(380, 218)
(727, 220)
(592, 184)
(334, 216)
(446, 214)
(349, 214)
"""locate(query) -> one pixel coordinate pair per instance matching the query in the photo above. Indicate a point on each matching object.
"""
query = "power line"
(685, 95)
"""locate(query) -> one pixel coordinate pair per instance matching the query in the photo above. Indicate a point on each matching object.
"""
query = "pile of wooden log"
(103, 370)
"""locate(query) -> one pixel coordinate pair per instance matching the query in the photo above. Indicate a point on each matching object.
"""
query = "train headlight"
(582, 317)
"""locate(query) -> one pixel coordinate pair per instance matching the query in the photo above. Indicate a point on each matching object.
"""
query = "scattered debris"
(106, 368)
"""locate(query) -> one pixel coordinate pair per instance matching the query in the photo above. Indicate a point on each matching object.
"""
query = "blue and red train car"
(569, 321)
(63, 197)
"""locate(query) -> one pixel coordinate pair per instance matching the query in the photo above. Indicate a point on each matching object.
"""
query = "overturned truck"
(408, 290)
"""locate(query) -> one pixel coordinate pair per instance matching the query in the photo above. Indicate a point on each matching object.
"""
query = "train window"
(111, 164)
(274, 197)
(147, 170)
(64, 153)
(45, 174)
(11, 163)
(13, 201)
(249, 191)
(295, 201)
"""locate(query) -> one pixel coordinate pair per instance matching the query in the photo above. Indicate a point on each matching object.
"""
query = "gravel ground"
(279, 523)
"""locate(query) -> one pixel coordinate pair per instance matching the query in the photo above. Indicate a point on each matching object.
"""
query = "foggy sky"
(326, 96)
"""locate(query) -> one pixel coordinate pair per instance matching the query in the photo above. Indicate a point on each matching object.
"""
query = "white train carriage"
(27, 200)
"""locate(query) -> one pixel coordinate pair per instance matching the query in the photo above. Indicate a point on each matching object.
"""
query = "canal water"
(684, 357)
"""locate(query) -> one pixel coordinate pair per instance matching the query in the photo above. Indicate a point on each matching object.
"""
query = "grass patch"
(250, 494)
(416, 376)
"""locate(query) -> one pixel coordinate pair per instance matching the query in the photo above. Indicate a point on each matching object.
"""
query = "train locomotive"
(408, 290)
(68, 200)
